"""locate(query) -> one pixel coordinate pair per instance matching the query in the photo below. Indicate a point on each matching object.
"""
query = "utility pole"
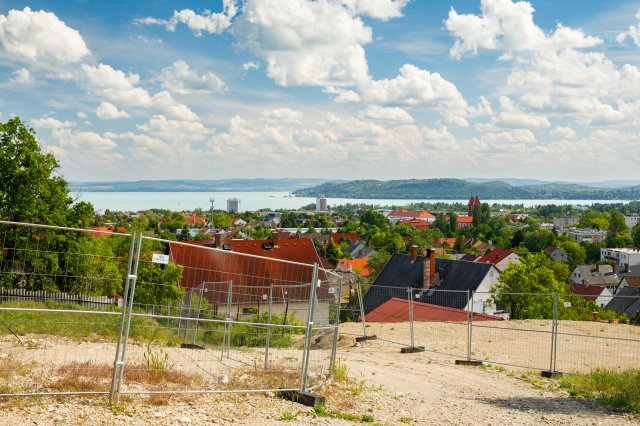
(211, 200)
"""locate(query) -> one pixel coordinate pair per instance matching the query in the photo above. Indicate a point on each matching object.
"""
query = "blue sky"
(349, 89)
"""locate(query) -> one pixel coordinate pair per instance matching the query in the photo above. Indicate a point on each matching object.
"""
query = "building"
(600, 295)
(404, 214)
(632, 221)
(465, 222)
(596, 275)
(233, 205)
(473, 203)
(321, 204)
(397, 310)
(622, 256)
(442, 282)
(501, 258)
(557, 254)
(565, 222)
(589, 235)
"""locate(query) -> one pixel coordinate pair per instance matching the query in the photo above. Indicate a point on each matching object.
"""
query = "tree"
(481, 214)
(374, 218)
(538, 240)
(636, 237)
(31, 189)
(576, 254)
(453, 221)
(221, 220)
(376, 262)
(617, 225)
(442, 224)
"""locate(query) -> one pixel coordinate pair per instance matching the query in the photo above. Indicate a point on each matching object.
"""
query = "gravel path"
(409, 388)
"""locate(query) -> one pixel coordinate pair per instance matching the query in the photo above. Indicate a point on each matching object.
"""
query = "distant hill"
(452, 189)
(219, 185)
(529, 182)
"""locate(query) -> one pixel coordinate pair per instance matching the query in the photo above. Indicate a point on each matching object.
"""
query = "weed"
(620, 390)
(288, 416)
(322, 412)
(339, 371)
(156, 362)
(405, 420)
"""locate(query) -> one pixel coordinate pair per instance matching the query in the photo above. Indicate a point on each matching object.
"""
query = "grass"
(321, 411)
(77, 326)
(288, 416)
(405, 420)
(619, 390)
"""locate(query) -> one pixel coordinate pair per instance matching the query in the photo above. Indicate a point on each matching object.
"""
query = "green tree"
(221, 220)
(576, 254)
(617, 225)
(376, 262)
(371, 217)
(442, 224)
(31, 189)
(453, 222)
(538, 240)
(481, 214)
(635, 235)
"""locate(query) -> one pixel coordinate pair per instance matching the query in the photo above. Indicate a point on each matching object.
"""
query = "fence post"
(116, 362)
(226, 339)
(134, 280)
(469, 322)
(361, 303)
(195, 333)
(268, 340)
(334, 347)
(305, 354)
(410, 297)
(554, 342)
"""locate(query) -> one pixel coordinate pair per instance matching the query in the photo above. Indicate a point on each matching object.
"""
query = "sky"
(338, 89)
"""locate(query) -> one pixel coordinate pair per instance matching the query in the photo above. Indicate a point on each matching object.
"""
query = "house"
(441, 242)
(193, 219)
(249, 265)
(404, 214)
(626, 301)
(629, 281)
(419, 224)
(632, 221)
(501, 258)
(557, 254)
(565, 222)
(441, 282)
(359, 250)
(238, 222)
(600, 295)
(589, 235)
(359, 266)
(596, 275)
(469, 257)
(397, 310)
(622, 256)
(464, 222)
(482, 247)
(338, 237)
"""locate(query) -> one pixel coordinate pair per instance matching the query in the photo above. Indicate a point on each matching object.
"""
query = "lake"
(133, 201)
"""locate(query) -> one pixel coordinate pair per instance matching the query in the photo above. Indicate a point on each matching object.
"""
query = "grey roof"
(453, 279)
(604, 277)
(626, 301)
(469, 257)
(633, 270)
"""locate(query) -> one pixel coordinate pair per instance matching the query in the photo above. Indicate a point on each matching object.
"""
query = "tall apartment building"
(233, 205)
(321, 204)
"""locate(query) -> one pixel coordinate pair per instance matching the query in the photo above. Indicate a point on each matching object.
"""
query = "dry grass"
(274, 378)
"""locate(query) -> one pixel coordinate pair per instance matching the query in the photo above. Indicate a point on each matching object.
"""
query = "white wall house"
(622, 256)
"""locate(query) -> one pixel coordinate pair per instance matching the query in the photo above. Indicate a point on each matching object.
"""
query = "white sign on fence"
(160, 258)
(567, 304)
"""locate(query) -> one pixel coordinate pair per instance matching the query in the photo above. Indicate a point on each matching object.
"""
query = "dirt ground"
(393, 388)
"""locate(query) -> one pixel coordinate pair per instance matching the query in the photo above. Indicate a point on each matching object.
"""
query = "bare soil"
(393, 388)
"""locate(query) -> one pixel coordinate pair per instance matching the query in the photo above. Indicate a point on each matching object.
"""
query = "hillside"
(452, 189)
(184, 185)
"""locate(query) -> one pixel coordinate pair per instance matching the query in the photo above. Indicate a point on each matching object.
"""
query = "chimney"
(597, 267)
(275, 237)
(414, 253)
(428, 267)
(626, 268)
(218, 237)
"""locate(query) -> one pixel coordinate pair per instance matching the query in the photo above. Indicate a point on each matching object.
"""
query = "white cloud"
(90, 141)
(108, 111)
(209, 22)
(40, 38)
(175, 131)
(81, 114)
(564, 132)
(633, 33)
(305, 43)
(21, 76)
(509, 25)
(250, 65)
(378, 9)
(51, 123)
(167, 104)
(116, 86)
(179, 78)
(283, 115)
(394, 114)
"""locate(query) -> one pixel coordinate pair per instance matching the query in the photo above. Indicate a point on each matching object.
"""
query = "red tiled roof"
(104, 229)
(358, 265)
(438, 242)
(347, 236)
(588, 292)
(633, 281)
(247, 272)
(397, 310)
(465, 219)
(495, 256)
(411, 213)
(194, 219)
(550, 249)
(417, 223)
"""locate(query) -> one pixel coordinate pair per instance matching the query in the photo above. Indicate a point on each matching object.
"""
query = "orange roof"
(103, 229)
(465, 219)
(194, 219)
(357, 265)
(411, 213)
(439, 242)
(347, 236)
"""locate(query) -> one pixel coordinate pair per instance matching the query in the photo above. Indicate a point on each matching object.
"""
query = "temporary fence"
(191, 319)
(550, 332)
